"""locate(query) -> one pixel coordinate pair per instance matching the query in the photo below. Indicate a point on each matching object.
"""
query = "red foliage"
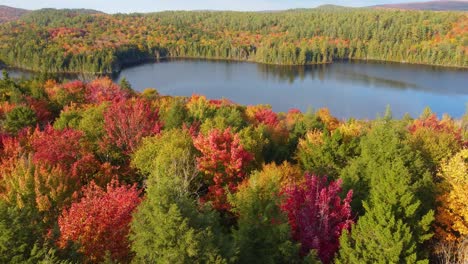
(220, 102)
(443, 126)
(127, 122)
(64, 149)
(104, 90)
(41, 108)
(294, 111)
(10, 151)
(74, 87)
(73, 91)
(224, 160)
(267, 116)
(99, 222)
(66, 32)
(193, 129)
(57, 147)
(317, 215)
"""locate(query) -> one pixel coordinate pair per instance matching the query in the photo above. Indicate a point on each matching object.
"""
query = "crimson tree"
(317, 215)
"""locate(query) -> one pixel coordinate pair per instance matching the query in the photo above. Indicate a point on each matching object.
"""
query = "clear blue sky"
(126, 6)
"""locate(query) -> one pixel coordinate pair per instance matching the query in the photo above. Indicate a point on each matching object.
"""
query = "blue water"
(348, 89)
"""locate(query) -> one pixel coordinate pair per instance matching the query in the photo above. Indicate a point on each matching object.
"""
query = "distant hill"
(332, 7)
(10, 13)
(440, 5)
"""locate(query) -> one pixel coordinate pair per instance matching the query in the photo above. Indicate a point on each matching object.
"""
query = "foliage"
(168, 228)
(452, 214)
(127, 122)
(317, 215)
(322, 153)
(396, 195)
(171, 153)
(224, 161)
(73, 41)
(18, 233)
(263, 234)
(201, 202)
(19, 118)
(437, 140)
(99, 222)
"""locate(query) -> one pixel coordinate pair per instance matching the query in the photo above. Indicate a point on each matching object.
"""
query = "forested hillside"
(75, 41)
(438, 5)
(9, 13)
(95, 172)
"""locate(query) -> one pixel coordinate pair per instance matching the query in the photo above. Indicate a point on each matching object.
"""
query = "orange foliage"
(331, 123)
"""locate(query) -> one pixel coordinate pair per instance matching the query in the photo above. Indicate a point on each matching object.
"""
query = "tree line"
(75, 41)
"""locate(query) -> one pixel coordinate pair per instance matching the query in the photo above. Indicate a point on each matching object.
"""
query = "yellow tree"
(452, 213)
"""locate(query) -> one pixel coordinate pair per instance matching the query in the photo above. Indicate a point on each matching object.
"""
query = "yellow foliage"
(352, 129)
(314, 137)
(452, 213)
(330, 121)
(285, 174)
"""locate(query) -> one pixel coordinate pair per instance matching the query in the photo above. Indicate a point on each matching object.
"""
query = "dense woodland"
(86, 41)
(97, 173)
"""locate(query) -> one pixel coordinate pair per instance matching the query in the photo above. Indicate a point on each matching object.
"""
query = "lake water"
(348, 89)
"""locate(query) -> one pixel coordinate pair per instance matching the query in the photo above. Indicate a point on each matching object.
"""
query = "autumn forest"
(87, 41)
(94, 171)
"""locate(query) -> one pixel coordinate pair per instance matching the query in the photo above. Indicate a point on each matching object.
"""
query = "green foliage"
(68, 119)
(263, 234)
(254, 141)
(171, 153)
(168, 228)
(125, 85)
(20, 229)
(92, 122)
(19, 118)
(224, 117)
(329, 156)
(396, 192)
(175, 115)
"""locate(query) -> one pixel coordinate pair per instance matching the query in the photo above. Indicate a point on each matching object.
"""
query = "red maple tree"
(317, 215)
(99, 222)
(57, 147)
(441, 126)
(127, 122)
(225, 161)
(105, 90)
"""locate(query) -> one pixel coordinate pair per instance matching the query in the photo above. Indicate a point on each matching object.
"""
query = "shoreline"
(168, 58)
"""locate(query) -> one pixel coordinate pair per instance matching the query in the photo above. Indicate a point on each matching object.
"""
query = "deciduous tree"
(317, 215)
(99, 222)
(225, 163)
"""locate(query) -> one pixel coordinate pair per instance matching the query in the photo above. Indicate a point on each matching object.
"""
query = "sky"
(128, 6)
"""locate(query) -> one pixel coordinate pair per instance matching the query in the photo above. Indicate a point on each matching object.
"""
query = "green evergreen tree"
(263, 234)
(124, 84)
(396, 197)
(19, 118)
(175, 115)
(168, 226)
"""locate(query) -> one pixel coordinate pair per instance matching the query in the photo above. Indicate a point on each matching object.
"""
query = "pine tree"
(168, 228)
(263, 234)
(397, 219)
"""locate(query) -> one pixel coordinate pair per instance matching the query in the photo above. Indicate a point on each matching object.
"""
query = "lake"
(348, 89)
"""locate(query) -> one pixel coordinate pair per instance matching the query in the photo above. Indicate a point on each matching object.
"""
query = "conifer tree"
(397, 218)
(168, 163)
(263, 234)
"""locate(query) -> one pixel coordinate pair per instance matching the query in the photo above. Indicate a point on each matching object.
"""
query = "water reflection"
(375, 74)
